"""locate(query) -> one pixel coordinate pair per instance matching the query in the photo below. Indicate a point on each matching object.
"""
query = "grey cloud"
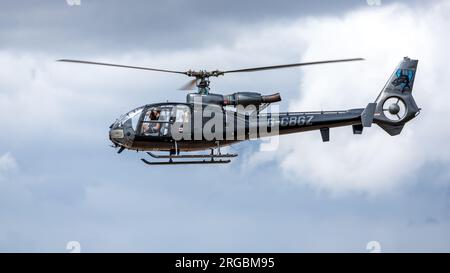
(120, 26)
(146, 210)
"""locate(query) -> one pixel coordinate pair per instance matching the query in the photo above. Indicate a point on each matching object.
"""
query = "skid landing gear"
(212, 158)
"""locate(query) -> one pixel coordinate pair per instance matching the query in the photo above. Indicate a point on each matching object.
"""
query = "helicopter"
(209, 121)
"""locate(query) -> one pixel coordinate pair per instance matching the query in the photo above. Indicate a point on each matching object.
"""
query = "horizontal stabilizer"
(367, 115)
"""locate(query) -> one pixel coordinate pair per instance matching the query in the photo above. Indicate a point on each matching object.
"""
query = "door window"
(156, 121)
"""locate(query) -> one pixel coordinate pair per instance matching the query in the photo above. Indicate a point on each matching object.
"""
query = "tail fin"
(395, 105)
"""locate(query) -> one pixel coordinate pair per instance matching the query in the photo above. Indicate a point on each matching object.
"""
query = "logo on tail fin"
(404, 78)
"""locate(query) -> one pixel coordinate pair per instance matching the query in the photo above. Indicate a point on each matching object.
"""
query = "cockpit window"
(134, 115)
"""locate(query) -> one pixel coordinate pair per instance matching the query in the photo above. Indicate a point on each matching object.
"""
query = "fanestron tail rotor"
(394, 109)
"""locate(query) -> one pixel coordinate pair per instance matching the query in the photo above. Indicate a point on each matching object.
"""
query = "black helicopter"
(208, 121)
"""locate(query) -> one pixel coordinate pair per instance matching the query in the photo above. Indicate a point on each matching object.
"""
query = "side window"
(156, 121)
(183, 114)
(165, 113)
(135, 119)
(182, 118)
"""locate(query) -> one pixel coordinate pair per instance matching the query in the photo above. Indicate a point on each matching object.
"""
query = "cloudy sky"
(61, 182)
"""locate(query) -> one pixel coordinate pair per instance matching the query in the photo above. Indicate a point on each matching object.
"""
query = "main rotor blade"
(252, 69)
(124, 66)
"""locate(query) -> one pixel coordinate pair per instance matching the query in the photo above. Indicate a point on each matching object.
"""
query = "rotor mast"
(203, 86)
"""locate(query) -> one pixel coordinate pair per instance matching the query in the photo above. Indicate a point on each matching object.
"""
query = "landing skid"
(210, 158)
(192, 156)
(171, 162)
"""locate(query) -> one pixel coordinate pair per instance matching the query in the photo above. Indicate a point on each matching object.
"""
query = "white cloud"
(7, 163)
(374, 162)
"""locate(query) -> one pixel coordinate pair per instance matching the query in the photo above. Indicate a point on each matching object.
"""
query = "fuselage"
(189, 127)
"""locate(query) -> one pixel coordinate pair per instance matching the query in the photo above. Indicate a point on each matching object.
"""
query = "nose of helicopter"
(121, 134)
(116, 131)
(116, 134)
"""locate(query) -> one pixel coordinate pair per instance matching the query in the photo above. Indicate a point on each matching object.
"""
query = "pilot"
(152, 127)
